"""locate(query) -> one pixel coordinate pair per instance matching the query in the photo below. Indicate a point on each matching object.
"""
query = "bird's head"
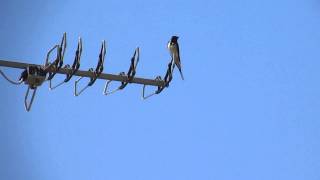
(174, 38)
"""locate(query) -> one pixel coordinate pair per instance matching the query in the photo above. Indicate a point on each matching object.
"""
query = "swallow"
(173, 47)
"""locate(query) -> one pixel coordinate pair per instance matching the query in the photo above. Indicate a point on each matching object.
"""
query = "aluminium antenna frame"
(35, 75)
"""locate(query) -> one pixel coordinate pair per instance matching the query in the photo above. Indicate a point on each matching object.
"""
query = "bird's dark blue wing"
(178, 52)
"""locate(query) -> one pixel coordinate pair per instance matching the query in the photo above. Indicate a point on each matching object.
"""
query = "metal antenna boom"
(104, 76)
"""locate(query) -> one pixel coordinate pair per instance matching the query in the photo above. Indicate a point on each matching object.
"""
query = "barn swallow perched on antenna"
(173, 47)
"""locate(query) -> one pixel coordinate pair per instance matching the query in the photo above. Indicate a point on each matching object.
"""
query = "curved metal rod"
(51, 87)
(58, 62)
(133, 66)
(76, 92)
(63, 45)
(26, 104)
(167, 79)
(150, 95)
(96, 72)
(47, 64)
(130, 74)
(168, 76)
(75, 66)
(76, 62)
(9, 80)
(99, 67)
(60, 51)
(106, 92)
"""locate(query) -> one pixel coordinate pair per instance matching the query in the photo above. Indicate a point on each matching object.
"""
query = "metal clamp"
(33, 76)
(167, 79)
(158, 78)
(129, 76)
(96, 72)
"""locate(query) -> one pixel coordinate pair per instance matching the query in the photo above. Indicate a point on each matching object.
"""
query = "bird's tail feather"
(181, 74)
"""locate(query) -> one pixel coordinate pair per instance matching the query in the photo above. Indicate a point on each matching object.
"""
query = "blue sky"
(248, 108)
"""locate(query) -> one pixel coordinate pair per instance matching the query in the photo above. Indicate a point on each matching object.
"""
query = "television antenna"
(34, 75)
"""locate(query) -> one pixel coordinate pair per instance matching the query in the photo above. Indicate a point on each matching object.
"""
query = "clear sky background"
(249, 107)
